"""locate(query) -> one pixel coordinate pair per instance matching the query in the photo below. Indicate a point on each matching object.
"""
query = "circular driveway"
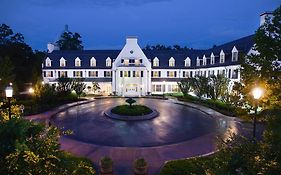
(175, 123)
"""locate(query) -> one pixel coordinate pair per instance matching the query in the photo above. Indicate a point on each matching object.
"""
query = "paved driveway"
(178, 132)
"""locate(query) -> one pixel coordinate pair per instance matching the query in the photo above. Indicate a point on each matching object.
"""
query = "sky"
(104, 24)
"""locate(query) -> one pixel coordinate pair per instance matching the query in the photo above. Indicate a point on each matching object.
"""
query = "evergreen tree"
(70, 41)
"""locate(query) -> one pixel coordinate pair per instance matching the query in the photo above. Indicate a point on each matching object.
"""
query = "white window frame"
(62, 62)
(108, 62)
(187, 62)
(155, 62)
(77, 62)
(212, 58)
(93, 62)
(222, 57)
(48, 62)
(172, 62)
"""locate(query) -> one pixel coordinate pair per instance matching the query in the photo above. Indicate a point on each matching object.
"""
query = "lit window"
(93, 62)
(234, 54)
(222, 57)
(107, 73)
(48, 73)
(77, 62)
(212, 58)
(62, 62)
(62, 74)
(108, 62)
(93, 73)
(77, 73)
(197, 61)
(204, 60)
(187, 62)
(171, 62)
(156, 62)
(48, 62)
(156, 73)
(172, 74)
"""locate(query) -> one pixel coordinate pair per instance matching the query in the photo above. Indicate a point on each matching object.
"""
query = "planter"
(140, 167)
(106, 166)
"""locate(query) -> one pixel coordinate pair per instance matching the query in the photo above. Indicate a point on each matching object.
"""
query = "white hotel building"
(136, 72)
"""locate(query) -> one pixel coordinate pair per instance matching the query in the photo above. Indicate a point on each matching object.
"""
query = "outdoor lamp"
(31, 90)
(9, 92)
(257, 94)
(9, 95)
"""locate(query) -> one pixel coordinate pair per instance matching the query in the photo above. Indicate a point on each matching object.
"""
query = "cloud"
(94, 2)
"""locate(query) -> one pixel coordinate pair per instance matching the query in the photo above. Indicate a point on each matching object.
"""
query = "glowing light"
(31, 90)
(9, 92)
(257, 93)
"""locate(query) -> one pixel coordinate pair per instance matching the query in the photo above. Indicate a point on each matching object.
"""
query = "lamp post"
(9, 95)
(257, 94)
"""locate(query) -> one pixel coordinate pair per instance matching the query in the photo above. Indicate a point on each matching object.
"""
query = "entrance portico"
(131, 71)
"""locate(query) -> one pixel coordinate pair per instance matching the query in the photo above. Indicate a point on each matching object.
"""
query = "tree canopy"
(70, 41)
(24, 65)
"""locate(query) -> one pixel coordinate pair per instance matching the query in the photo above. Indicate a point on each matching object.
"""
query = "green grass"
(134, 110)
(192, 166)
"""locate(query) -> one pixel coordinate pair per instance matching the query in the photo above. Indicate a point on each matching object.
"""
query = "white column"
(113, 81)
(149, 82)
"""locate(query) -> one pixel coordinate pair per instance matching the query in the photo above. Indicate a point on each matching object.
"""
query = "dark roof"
(243, 45)
(84, 55)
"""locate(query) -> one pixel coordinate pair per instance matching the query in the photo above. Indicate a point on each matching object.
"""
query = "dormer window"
(204, 60)
(62, 62)
(156, 62)
(108, 62)
(48, 62)
(187, 62)
(222, 57)
(212, 58)
(171, 62)
(93, 62)
(77, 62)
(197, 61)
(234, 54)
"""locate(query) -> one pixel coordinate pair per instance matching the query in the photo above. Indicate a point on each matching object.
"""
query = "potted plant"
(140, 166)
(106, 166)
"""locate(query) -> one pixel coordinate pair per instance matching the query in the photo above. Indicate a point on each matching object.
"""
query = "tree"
(218, 86)
(31, 148)
(263, 68)
(78, 86)
(6, 72)
(64, 85)
(185, 86)
(26, 63)
(70, 41)
(130, 101)
(96, 86)
(200, 85)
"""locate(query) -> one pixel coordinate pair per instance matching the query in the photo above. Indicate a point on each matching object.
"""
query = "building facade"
(136, 72)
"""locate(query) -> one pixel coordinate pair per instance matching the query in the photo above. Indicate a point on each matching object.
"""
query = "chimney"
(264, 16)
(51, 47)
(132, 40)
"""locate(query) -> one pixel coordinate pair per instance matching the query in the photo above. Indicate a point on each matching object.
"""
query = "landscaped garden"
(131, 110)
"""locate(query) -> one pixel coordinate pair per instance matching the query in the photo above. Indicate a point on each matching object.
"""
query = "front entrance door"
(131, 90)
